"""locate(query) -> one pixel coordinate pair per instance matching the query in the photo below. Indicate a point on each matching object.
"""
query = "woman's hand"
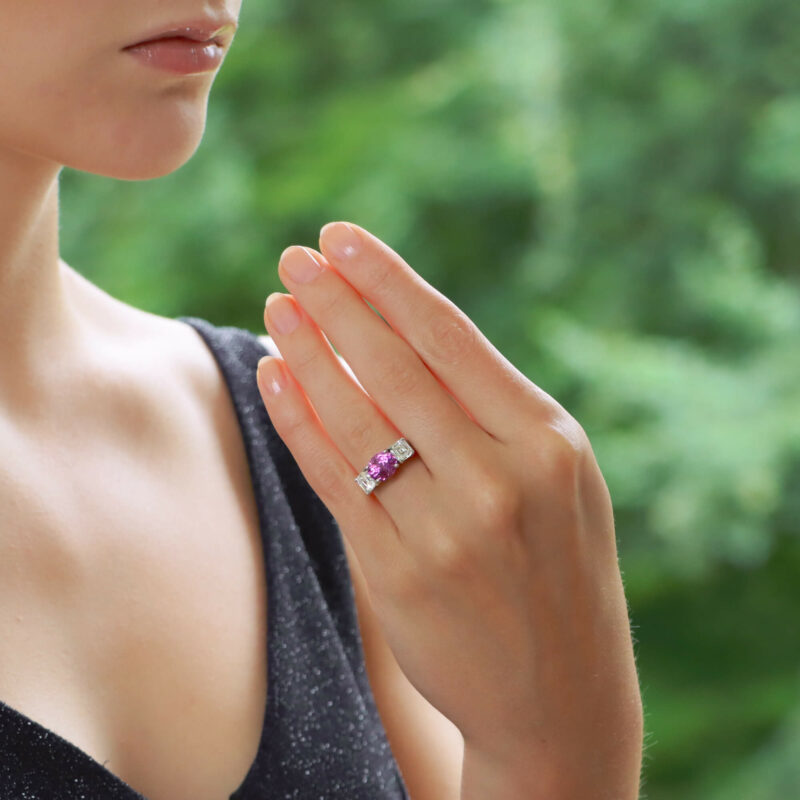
(490, 555)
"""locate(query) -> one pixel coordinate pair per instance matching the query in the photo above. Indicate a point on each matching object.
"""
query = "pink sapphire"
(382, 466)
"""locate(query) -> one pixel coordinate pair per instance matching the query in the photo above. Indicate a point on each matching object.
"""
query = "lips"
(205, 31)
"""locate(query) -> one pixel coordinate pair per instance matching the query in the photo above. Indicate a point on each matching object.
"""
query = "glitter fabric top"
(322, 737)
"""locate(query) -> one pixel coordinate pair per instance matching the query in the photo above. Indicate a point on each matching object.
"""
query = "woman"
(205, 589)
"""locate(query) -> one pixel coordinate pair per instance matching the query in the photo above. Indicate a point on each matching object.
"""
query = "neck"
(39, 323)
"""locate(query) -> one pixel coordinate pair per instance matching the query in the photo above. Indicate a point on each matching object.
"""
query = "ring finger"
(354, 423)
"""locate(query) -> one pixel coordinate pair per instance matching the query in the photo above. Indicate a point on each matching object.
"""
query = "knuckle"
(292, 426)
(328, 481)
(376, 277)
(359, 432)
(451, 559)
(495, 497)
(328, 307)
(327, 478)
(450, 337)
(400, 376)
(497, 505)
(565, 446)
(305, 359)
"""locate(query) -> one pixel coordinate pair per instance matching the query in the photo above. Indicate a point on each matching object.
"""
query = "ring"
(383, 465)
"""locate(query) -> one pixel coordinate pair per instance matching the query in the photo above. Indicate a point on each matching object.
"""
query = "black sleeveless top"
(322, 737)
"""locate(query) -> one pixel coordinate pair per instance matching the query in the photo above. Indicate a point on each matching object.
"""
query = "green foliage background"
(611, 191)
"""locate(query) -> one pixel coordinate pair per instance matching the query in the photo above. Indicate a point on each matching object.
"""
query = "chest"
(133, 616)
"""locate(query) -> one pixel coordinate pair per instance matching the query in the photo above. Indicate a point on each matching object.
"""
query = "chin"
(148, 143)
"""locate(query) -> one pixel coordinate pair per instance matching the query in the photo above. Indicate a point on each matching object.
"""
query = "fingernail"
(282, 313)
(340, 239)
(269, 376)
(300, 264)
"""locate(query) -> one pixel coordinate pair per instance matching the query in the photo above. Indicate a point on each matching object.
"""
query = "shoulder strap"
(297, 509)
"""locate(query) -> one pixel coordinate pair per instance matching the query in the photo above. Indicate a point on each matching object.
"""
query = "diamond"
(365, 482)
(402, 450)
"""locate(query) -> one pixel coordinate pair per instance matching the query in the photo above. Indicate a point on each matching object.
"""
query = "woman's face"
(71, 95)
